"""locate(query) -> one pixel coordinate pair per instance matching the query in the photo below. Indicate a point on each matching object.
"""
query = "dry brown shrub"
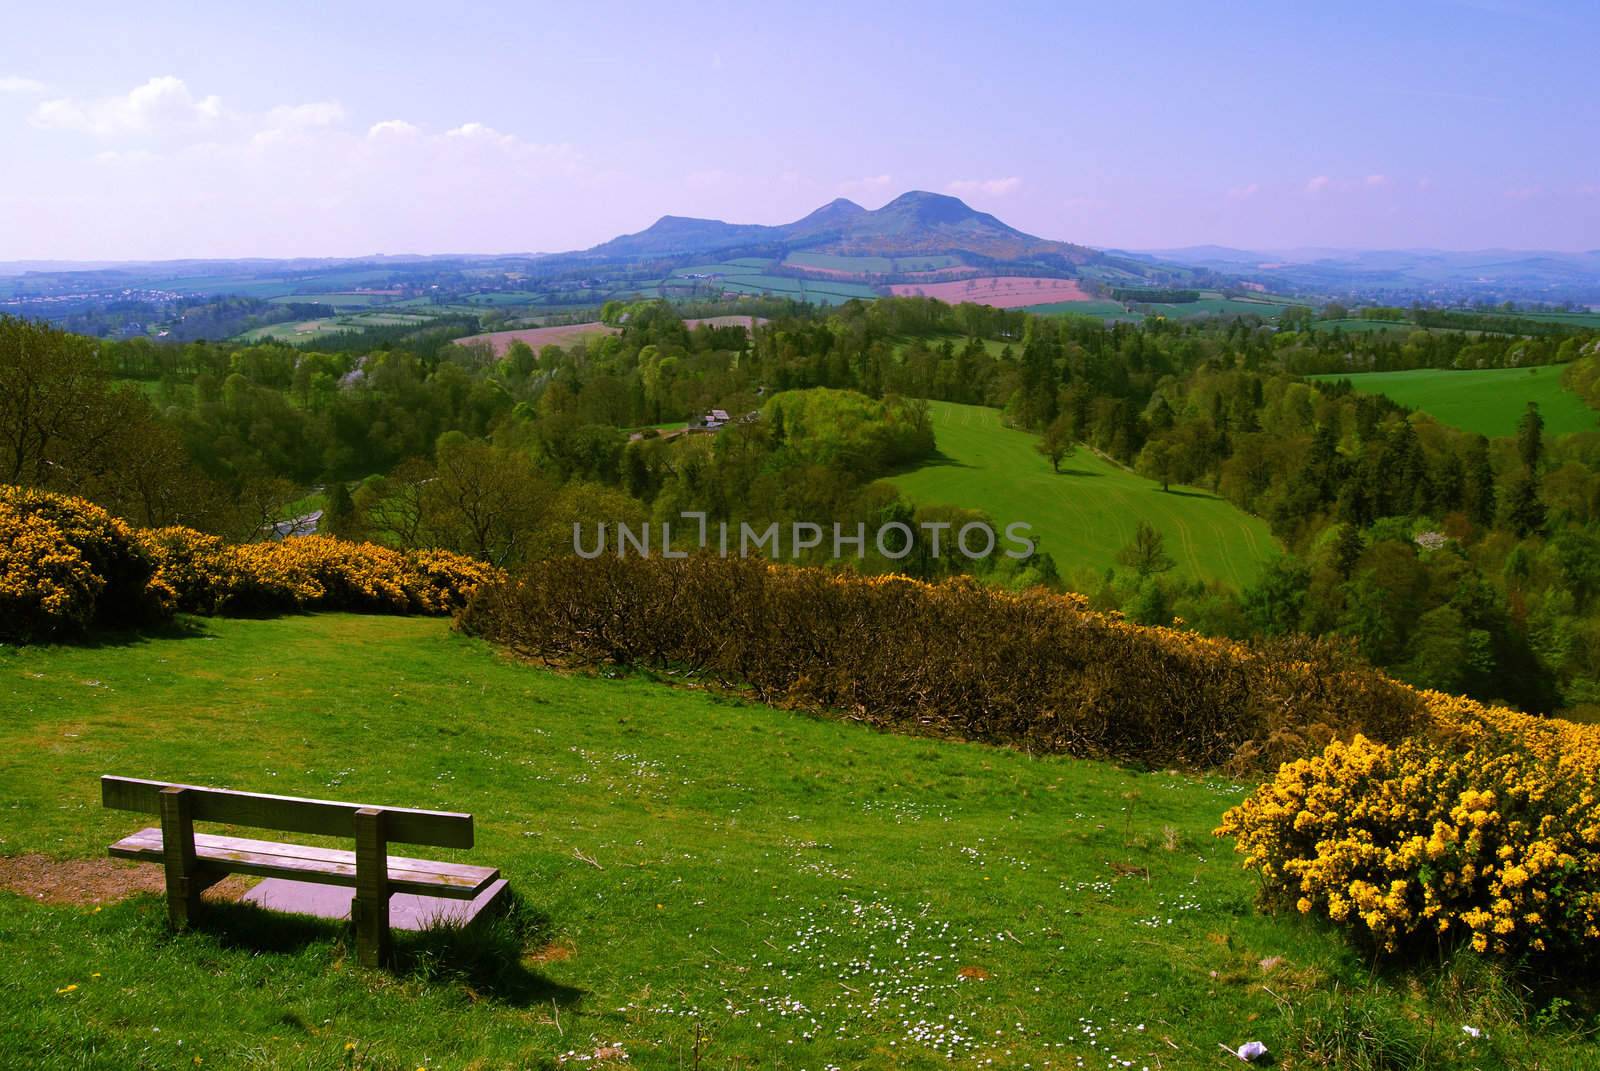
(1033, 670)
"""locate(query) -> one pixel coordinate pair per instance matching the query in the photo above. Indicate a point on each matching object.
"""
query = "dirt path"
(94, 881)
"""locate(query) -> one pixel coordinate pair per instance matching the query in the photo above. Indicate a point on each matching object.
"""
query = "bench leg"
(184, 883)
(370, 909)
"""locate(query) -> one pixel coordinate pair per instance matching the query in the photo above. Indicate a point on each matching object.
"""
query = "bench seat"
(324, 866)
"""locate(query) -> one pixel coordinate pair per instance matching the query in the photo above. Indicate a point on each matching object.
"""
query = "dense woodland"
(1457, 562)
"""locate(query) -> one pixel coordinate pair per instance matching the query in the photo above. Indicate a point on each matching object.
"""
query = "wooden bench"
(196, 861)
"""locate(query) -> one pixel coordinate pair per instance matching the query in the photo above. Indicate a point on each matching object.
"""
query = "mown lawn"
(1087, 512)
(801, 893)
(1488, 401)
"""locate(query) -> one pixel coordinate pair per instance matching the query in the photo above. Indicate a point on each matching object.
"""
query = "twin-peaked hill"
(915, 223)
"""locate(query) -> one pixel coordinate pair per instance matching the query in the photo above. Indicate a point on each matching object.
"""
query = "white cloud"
(12, 83)
(994, 187)
(392, 128)
(478, 132)
(485, 144)
(181, 167)
(1240, 193)
(297, 122)
(161, 104)
(317, 113)
(1376, 181)
(1318, 184)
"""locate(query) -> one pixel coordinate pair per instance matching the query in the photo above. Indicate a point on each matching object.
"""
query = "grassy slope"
(1085, 514)
(805, 890)
(1489, 401)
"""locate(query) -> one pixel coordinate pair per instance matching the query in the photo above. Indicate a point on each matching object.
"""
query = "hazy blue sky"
(289, 128)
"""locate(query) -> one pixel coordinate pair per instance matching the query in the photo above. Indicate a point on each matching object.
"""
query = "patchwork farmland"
(567, 334)
(998, 291)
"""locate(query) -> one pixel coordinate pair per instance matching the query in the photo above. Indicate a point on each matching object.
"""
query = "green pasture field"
(925, 263)
(1218, 306)
(784, 284)
(291, 331)
(693, 870)
(504, 297)
(1102, 309)
(1274, 299)
(995, 347)
(1088, 512)
(728, 268)
(268, 289)
(1488, 401)
(336, 300)
(830, 262)
(879, 265)
(1571, 319)
(1355, 325)
(818, 293)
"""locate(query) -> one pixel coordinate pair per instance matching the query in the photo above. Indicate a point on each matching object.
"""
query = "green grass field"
(1211, 304)
(1101, 309)
(880, 265)
(291, 331)
(1354, 325)
(804, 893)
(745, 276)
(1085, 514)
(1570, 319)
(335, 300)
(306, 330)
(1488, 401)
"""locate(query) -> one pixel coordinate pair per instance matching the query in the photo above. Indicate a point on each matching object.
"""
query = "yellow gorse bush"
(309, 572)
(1484, 829)
(46, 588)
(66, 564)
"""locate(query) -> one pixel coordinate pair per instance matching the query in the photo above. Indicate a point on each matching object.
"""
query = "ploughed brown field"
(567, 334)
(998, 291)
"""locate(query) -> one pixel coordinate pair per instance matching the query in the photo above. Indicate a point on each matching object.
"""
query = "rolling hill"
(915, 223)
(1085, 514)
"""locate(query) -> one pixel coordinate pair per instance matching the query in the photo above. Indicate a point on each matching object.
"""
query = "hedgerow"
(1033, 670)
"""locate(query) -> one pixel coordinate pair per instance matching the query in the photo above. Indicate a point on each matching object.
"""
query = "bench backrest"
(291, 814)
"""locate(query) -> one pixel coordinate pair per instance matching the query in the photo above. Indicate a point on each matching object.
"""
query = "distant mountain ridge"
(916, 222)
(1521, 273)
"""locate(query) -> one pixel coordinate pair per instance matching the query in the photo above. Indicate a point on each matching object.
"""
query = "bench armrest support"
(369, 911)
(177, 851)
